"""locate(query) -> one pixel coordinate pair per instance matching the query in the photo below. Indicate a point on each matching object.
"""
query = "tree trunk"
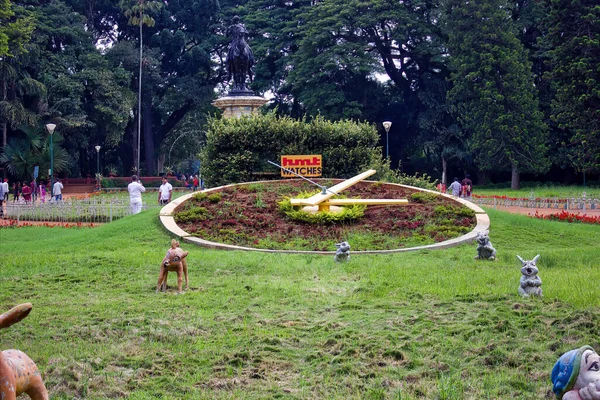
(4, 127)
(514, 179)
(148, 137)
(444, 171)
(482, 178)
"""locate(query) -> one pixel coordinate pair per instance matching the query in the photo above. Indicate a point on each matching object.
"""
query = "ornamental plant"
(238, 148)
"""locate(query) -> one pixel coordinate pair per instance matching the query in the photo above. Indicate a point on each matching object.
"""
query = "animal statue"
(342, 253)
(240, 58)
(485, 250)
(576, 375)
(530, 283)
(174, 261)
(18, 372)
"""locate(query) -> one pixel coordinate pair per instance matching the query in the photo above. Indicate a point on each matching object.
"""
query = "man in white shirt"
(455, 187)
(135, 189)
(1, 199)
(164, 192)
(57, 190)
(6, 189)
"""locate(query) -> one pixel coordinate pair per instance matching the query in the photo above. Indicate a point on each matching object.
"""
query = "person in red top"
(26, 192)
(467, 186)
(196, 182)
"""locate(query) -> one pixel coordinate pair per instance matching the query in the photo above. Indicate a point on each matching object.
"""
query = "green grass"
(541, 191)
(433, 325)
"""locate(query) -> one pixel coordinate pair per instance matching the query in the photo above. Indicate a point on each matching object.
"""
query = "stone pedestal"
(237, 106)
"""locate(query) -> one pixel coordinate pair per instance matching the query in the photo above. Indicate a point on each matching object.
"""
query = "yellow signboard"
(302, 165)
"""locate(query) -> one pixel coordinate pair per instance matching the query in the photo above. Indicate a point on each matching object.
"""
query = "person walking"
(6, 190)
(42, 188)
(16, 191)
(26, 192)
(196, 182)
(455, 187)
(57, 190)
(467, 186)
(164, 192)
(135, 189)
(1, 199)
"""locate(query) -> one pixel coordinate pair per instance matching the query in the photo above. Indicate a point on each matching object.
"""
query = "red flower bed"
(569, 217)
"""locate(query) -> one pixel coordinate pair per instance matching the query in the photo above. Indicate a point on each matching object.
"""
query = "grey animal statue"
(485, 250)
(530, 283)
(342, 253)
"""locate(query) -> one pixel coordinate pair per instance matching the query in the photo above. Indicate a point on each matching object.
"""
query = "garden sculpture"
(530, 283)
(342, 253)
(174, 261)
(240, 59)
(18, 372)
(576, 375)
(485, 250)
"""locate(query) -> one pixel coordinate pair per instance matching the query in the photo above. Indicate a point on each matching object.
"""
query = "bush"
(348, 213)
(236, 148)
(192, 215)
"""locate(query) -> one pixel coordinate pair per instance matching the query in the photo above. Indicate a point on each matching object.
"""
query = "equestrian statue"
(239, 59)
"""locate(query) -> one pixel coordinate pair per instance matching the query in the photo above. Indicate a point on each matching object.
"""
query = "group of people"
(192, 182)
(463, 188)
(136, 188)
(29, 193)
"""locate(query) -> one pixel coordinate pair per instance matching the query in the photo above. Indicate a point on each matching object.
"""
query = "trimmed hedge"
(238, 148)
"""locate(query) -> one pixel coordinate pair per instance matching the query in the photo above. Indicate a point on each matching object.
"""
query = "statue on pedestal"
(240, 59)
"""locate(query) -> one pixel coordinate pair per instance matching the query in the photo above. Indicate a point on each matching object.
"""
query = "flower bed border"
(168, 221)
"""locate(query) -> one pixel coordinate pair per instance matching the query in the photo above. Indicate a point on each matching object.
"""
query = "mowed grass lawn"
(421, 325)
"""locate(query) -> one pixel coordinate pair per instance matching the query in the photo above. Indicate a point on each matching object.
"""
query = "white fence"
(582, 203)
(69, 211)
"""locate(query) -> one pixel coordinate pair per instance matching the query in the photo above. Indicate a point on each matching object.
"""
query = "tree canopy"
(498, 88)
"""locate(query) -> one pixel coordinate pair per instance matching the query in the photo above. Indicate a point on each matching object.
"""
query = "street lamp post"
(97, 167)
(50, 128)
(387, 125)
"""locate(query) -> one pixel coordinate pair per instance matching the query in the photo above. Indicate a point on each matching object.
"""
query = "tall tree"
(573, 43)
(16, 26)
(137, 12)
(88, 97)
(493, 94)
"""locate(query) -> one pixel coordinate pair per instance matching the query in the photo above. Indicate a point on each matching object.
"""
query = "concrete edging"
(168, 221)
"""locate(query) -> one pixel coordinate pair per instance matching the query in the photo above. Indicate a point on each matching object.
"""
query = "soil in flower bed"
(248, 215)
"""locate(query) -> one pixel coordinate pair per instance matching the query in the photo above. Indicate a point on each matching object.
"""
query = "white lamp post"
(387, 125)
(51, 128)
(97, 167)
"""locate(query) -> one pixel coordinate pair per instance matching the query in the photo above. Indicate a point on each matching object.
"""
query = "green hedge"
(237, 148)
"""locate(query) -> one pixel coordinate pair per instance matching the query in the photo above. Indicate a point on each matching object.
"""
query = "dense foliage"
(491, 87)
(237, 149)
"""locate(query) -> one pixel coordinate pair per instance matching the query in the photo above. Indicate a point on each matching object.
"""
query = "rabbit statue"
(18, 373)
(342, 253)
(530, 283)
(485, 250)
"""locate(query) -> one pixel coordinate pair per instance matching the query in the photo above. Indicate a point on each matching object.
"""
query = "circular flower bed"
(251, 215)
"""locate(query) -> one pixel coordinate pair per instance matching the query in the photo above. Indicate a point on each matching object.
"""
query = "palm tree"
(20, 155)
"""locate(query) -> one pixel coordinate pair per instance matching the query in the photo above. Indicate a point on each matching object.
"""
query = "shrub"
(348, 213)
(191, 215)
(214, 197)
(423, 197)
(238, 147)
